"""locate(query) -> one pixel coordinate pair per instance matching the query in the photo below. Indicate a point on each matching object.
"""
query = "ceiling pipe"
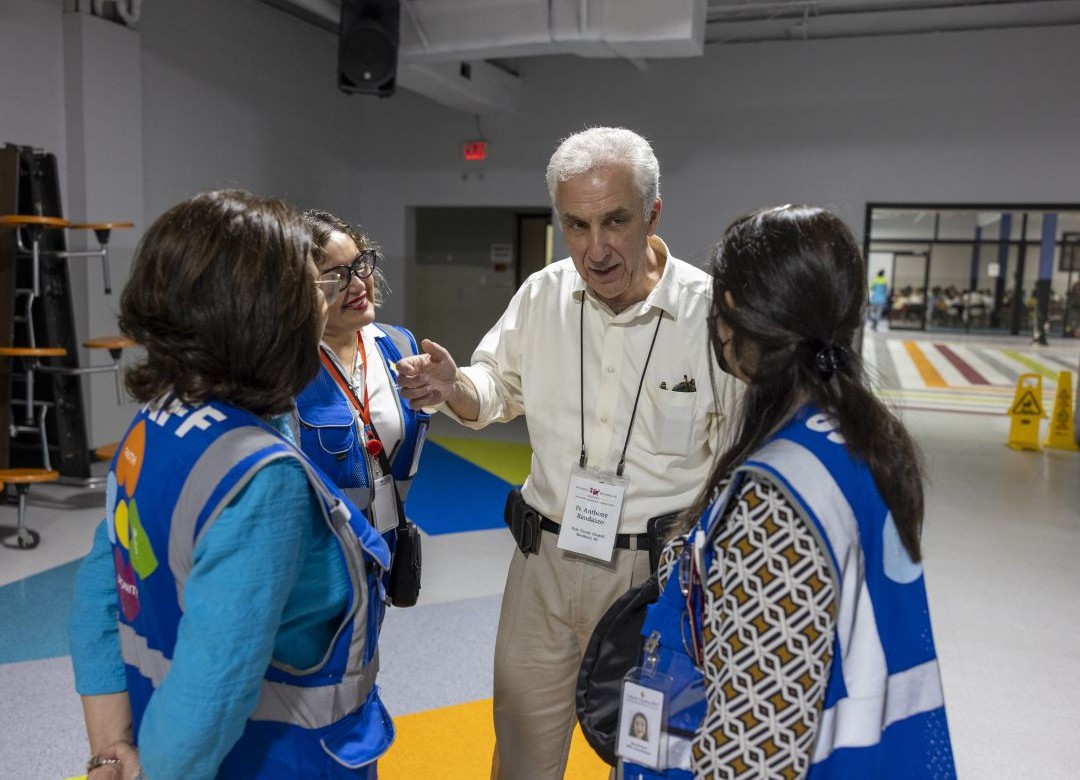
(929, 17)
(324, 9)
(408, 6)
(128, 10)
(788, 8)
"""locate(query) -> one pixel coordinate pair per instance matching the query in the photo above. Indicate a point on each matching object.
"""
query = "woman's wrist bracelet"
(97, 760)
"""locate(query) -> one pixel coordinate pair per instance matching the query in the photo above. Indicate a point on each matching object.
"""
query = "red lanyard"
(374, 445)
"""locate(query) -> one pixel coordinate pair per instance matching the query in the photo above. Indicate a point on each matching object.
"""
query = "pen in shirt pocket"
(687, 385)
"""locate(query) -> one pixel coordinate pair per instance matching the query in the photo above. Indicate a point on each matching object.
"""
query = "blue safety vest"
(330, 434)
(177, 468)
(884, 711)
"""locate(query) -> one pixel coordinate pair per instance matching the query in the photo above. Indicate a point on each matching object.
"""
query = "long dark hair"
(222, 298)
(797, 282)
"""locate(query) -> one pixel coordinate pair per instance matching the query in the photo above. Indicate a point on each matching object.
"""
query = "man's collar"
(665, 295)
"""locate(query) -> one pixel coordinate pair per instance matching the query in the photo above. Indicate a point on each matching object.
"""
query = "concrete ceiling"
(437, 36)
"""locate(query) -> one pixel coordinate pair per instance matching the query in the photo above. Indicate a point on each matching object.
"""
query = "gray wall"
(238, 94)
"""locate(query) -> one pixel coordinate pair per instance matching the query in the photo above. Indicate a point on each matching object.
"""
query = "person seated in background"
(352, 421)
(793, 603)
(225, 621)
(1072, 311)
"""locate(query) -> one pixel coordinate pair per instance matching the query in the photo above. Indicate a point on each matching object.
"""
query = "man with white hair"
(606, 353)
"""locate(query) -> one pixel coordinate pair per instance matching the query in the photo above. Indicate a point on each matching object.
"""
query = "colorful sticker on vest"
(126, 587)
(142, 554)
(120, 520)
(110, 506)
(129, 462)
(895, 559)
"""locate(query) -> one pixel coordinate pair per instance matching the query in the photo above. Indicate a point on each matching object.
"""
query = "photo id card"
(590, 521)
(384, 505)
(641, 719)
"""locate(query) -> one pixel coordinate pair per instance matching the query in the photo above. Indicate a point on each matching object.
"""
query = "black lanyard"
(581, 346)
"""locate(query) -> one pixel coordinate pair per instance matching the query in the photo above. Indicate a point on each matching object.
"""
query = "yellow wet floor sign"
(1062, 435)
(1026, 411)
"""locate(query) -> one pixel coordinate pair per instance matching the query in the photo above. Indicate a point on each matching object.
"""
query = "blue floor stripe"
(34, 613)
(450, 495)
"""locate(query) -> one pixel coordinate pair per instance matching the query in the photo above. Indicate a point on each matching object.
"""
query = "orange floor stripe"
(927, 371)
(455, 743)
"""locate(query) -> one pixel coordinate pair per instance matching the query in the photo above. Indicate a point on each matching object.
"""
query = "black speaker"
(368, 46)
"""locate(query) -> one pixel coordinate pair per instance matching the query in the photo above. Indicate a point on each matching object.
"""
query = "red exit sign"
(474, 151)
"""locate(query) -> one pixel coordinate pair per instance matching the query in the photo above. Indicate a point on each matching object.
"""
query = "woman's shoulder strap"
(402, 341)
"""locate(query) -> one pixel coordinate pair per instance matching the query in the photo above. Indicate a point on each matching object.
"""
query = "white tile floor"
(1002, 547)
(1002, 550)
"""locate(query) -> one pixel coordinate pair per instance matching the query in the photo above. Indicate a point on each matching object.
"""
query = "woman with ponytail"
(792, 633)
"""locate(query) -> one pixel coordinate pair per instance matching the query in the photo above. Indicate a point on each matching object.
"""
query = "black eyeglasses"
(363, 266)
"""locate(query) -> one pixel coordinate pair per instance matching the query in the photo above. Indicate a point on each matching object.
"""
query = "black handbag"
(403, 587)
(613, 650)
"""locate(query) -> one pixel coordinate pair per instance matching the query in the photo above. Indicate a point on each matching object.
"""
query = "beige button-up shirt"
(529, 363)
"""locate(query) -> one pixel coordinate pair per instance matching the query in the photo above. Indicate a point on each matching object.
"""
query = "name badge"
(590, 521)
(384, 504)
(641, 718)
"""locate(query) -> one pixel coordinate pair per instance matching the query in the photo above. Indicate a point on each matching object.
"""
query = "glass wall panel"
(952, 271)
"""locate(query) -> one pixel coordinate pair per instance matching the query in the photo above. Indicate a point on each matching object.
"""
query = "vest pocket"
(362, 736)
(336, 450)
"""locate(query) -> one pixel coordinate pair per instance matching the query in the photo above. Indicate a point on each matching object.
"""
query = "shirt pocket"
(673, 426)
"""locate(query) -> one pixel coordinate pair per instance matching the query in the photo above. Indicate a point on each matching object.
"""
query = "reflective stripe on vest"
(313, 708)
(226, 451)
(403, 343)
(309, 707)
(152, 664)
(859, 722)
(875, 699)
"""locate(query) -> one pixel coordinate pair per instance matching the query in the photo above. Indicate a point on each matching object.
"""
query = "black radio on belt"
(523, 522)
(526, 525)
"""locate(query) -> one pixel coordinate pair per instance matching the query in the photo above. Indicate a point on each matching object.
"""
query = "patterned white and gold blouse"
(768, 629)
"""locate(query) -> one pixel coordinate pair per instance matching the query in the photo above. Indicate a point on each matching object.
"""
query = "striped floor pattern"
(961, 377)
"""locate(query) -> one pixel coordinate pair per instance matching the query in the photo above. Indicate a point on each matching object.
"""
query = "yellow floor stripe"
(455, 743)
(506, 460)
(1032, 364)
(927, 371)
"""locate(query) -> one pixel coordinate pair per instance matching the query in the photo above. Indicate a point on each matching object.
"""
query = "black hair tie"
(830, 359)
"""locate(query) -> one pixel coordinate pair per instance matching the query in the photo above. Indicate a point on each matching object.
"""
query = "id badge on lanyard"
(643, 711)
(384, 503)
(590, 521)
(594, 498)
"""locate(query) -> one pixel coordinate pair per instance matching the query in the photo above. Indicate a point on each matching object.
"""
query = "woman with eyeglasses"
(352, 421)
(226, 619)
(792, 634)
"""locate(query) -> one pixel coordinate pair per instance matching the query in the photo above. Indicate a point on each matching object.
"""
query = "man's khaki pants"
(551, 604)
